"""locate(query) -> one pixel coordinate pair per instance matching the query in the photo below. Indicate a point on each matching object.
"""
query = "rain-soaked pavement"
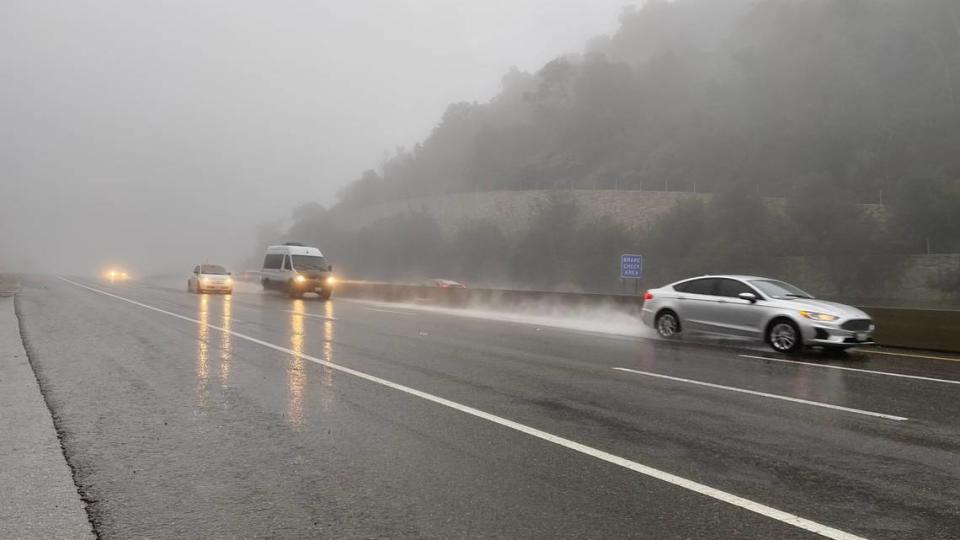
(188, 416)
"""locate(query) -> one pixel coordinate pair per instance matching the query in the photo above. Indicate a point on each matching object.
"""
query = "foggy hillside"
(828, 103)
(861, 94)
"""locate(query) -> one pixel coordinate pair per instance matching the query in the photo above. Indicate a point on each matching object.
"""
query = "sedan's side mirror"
(748, 296)
(330, 268)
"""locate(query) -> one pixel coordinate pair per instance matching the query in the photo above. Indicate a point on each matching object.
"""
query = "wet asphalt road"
(177, 429)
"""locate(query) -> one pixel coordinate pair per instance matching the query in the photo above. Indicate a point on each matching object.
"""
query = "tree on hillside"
(480, 251)
(927, 213)
(541, 257)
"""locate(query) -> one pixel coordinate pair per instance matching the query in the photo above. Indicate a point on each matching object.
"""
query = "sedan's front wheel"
(784, 336)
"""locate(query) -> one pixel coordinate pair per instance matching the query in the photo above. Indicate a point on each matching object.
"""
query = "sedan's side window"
(699, 286)
(732, 288)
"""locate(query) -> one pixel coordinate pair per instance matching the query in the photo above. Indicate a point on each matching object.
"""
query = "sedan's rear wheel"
(784, 336)
(668, 325)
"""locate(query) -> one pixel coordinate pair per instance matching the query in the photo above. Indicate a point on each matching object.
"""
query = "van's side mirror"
(748, 296)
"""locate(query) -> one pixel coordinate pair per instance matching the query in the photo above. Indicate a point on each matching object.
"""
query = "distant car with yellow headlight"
(782, 315)
(115, 274)
(210, 278)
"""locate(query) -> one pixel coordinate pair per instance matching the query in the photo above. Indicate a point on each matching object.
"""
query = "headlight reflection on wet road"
(326, 379)
(225, 345)
(203, 368)
(296, 375)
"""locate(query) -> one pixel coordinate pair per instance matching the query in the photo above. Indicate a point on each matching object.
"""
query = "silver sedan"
(778, 313)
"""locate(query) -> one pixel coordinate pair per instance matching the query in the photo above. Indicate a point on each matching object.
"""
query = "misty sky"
(157, 133)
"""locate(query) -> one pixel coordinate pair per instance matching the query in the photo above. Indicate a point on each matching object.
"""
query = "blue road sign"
(631, 266)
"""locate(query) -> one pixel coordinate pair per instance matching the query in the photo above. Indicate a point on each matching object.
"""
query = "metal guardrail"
(935, 330)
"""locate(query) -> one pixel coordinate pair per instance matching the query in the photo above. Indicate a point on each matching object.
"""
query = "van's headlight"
(299, 279)
(813, 315)
(331, 280)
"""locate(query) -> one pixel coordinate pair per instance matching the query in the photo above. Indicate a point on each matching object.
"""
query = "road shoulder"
(39, 498)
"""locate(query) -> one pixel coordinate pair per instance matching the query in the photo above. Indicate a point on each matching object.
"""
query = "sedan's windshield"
(779, 289)
(309, 262)
(212, 269)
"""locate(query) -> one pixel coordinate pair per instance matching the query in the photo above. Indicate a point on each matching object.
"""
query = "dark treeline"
(859, 247)
(826, 104)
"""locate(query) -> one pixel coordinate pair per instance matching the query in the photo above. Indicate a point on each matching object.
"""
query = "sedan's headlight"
(813, 315)
(205, 281)
(300, 279)
(229, 281)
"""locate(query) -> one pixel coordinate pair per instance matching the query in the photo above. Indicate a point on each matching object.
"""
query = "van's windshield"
(309, 262)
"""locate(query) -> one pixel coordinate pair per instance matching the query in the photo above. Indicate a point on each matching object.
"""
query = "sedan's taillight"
(647, 296)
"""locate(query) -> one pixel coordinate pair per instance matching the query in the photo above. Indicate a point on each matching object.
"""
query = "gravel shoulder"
(39, 498)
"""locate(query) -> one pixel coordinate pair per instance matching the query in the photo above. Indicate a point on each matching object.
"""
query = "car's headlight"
(331, 280)
(813, 315)
(300, 279)
(229, 281)
(204, 280)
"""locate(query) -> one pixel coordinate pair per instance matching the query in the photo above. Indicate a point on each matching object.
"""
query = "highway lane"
(178, 429)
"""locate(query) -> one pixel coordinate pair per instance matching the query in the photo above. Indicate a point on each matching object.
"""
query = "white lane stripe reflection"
(764, 394)
(887, 373)
(729, 498)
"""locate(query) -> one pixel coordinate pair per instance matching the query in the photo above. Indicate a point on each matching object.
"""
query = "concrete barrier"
(929, 329)
(935, 330)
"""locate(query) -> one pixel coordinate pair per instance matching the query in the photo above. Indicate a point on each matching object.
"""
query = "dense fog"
(156, 134)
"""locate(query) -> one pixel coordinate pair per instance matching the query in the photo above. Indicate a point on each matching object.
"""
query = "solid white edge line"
(764, 394)
(714, 493)
(926, 357)
(901, 375)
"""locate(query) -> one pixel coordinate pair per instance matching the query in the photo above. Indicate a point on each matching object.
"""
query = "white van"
(297, 269)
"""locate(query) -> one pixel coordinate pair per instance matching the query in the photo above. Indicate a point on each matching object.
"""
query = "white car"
(210, 278)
